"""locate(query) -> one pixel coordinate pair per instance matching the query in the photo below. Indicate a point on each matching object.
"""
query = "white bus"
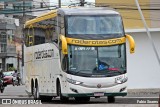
(76, 52)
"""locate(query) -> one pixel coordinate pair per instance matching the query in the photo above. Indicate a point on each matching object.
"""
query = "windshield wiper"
(81, 72)
(114, 71)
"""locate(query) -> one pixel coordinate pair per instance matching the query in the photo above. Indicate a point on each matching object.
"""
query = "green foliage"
(11, 69)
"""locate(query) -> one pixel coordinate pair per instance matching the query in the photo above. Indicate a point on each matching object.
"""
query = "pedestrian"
(1, 78)
(16, 75)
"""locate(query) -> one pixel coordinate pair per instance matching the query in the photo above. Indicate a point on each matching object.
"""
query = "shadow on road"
(92, 101)
(136, 100)
(72, 101)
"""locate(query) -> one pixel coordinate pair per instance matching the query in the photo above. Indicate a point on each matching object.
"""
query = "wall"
(155, 15)
(143, 67)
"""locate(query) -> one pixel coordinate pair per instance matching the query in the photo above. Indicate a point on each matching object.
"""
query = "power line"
(123, 8)
(46, 5)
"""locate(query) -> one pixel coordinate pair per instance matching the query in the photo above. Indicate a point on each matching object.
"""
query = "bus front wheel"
(62, 98)
(111, 99)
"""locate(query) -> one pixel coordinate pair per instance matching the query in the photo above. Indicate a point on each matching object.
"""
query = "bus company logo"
(99, 85)
(98, 42)
(44, 54)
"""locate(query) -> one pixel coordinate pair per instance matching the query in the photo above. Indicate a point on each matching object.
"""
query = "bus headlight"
(121, 79)
(74, 81)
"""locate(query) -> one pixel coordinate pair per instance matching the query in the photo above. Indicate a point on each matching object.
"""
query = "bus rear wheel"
(62, 98)
(32, 88)
(36, 92)
(111, 99)
(82, 99)
(37, 96)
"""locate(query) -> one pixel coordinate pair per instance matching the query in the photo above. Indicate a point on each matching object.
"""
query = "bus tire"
(36, 92)
(82, 99)
(62, 98)
(111, 99)
(32, 88)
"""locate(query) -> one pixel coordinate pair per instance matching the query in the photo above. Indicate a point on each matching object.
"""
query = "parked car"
(8, 77)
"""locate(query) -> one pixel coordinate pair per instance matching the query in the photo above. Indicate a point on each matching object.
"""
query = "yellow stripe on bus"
(107, 42)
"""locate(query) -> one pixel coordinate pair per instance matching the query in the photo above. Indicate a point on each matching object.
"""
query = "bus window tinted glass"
(95, 25)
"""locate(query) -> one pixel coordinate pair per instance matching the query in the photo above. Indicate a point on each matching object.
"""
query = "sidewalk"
(155, 92)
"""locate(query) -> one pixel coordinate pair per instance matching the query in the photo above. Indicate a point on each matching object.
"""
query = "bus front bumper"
(93, 95)
(81, 91)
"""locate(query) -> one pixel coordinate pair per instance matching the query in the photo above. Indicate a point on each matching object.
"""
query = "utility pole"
(23, 8)
(24, 19)
(59, 2)
(22, 39)
(82, 2)
(18, 62)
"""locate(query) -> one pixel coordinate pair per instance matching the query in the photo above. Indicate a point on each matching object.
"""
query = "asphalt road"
(129, 101)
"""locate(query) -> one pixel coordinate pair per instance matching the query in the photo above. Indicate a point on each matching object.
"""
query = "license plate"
(99, 94)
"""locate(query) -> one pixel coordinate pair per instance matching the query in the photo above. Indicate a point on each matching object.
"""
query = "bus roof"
(72, 11)
(49, 15)
(87, 11)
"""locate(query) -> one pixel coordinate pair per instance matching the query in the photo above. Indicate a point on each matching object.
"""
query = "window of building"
(9, 66)
(41, 4)
(3, 48)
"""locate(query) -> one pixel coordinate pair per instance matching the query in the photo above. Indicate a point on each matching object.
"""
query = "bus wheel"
(32, 88)
(82, 99)
(111, 99)
(36, 92)
(62, 98)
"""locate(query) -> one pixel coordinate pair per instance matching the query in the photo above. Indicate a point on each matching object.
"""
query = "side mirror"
(131, 43)
(64, 45)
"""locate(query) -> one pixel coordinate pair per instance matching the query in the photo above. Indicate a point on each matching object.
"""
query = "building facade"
(130, 14)
(7, 47)
(13, 14)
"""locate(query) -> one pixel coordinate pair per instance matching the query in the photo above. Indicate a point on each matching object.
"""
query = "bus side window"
(61, 26)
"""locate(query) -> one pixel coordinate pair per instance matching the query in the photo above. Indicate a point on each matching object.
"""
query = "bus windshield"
(97, 61)
(99, 25)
